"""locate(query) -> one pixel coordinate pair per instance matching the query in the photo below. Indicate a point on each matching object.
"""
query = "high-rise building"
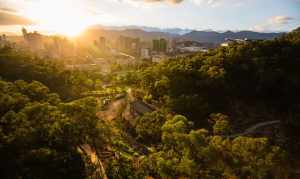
(129, 45)
(145, 53)
(160, 45)
(101, 43)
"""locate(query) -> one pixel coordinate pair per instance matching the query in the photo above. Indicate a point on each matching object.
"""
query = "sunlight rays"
(63, 17)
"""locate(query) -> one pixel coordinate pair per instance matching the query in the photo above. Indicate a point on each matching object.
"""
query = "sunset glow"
(70, 17)
(62, 17)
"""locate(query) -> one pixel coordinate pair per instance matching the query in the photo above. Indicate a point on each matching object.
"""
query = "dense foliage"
(17, 64)
(201, 105)
(251, 82)
(40, 135)
(255, 72)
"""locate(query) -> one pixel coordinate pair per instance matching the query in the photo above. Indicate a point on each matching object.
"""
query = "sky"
(72, 16)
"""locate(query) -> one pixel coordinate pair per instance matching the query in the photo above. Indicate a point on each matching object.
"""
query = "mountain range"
(219, 37)
(174, 31)
(149, 33)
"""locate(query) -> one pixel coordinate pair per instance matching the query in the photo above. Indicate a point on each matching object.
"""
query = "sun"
(65, 17)
(65, 28)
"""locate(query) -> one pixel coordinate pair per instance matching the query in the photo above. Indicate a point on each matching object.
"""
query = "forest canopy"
(52, 123)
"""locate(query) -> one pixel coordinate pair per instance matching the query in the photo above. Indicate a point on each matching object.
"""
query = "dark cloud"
(13, 19)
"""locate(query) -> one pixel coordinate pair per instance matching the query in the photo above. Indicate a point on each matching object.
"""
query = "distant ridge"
(219, 37)
(148, 33)
(175, 31)
(204, 36)
(94, 33)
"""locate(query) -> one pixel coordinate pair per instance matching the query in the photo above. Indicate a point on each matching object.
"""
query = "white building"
(193, 49)
(229, 41)
(158, 58)
(145, 53)
(225, 44)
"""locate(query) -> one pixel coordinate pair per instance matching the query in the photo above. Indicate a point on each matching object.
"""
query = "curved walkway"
(254, 128)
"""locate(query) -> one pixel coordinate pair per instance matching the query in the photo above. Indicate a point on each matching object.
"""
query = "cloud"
(156, 1)
(280, 20)
(211, 3)
(216, 3)
(273, 23)
(9, 10)
(169, 1)
(13, 19)
(145, 3)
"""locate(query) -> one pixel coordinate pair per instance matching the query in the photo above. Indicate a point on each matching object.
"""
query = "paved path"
(254, 128)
